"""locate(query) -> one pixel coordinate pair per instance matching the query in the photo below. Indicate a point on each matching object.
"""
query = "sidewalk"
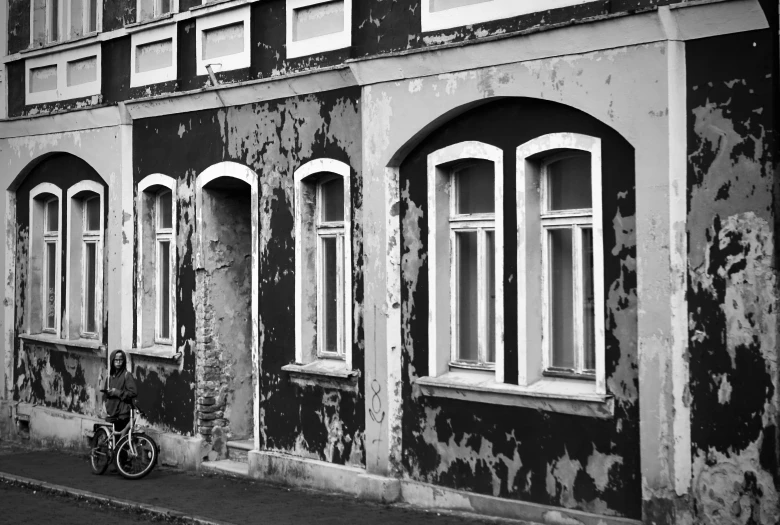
(212, 499)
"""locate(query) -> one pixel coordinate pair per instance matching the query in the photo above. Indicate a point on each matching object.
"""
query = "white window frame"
(75, 300)
(481, 224)
(215, 21)
(37, 240)
(157, 13)
(90, 237)
(484, 12)
(149, 36)
(317, 44)
(308, 349)
(147, 185)
(442, 317)
(533, 223)
(61, 59)
(64, 21)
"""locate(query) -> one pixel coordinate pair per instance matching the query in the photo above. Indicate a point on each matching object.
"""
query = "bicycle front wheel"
(138, 460)
(100, 455)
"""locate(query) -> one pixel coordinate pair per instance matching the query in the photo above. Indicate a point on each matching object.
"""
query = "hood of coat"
(116, 371)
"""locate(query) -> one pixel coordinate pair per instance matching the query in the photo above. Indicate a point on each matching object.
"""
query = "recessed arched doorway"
(226, 305)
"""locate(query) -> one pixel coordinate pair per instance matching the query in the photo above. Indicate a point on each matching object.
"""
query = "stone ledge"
(331, 373)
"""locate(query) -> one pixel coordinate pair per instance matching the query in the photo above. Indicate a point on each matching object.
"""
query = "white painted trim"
(240, 172)
(216, 20)
(314, 167)
(155, 179)
(149, 36)
(72, 287)
(61, 60)
(484, 11)
(34, 231)
(322, 43)
(529, 329)
(440, 318)
(9, 314)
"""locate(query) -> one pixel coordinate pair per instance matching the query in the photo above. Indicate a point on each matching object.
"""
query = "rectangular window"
(91, 236)
(150, 9)
(163, 291)
(90, 288)
(61, 20)
(222, 41)
(51, 243)
(330, 231)
(317, 26)
(472, 227)
(566, 220)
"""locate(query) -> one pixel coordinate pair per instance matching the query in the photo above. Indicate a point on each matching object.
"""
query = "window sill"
(157, 351)
(65, 344)
(565, 396)
(331, 373)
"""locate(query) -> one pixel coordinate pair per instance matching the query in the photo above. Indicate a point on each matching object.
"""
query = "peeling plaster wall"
(570, 461)
(732, 289)
(56, 376)
(18, 25)
(273, 139)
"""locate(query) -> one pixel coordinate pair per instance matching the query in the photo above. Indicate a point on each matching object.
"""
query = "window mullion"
(481, 302)
(579, 358)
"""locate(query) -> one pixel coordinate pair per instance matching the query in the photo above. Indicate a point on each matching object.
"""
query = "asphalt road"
(20, 506)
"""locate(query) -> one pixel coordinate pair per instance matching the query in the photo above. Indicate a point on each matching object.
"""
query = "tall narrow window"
(164, 236)
(567, 235)
(50, 263)
(149, 9)
(330, 263)
(472, 238)
(91, 237)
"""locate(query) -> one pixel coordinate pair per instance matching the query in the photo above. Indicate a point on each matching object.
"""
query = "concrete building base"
(311, 473)
(179, 451)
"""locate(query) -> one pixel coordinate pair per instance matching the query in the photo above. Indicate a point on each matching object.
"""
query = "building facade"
(514, 258)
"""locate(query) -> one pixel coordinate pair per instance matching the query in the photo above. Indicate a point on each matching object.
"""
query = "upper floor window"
(444, 14)
(60, 20)
(323, 269)
(316, 26)
(150, 9)
(84, 304)
(45, 256)
(465, 259)
(156, 262)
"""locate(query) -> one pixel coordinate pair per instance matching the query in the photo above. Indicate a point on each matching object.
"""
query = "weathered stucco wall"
(571, 461)
(732, 285)
(273, 139)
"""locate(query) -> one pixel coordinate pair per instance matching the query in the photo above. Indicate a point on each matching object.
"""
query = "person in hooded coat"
(121, 391)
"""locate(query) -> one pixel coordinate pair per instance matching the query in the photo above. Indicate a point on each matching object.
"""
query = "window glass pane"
(51, 282)
(562, 299)
(54, 33)
(92, 15)
(90, 284)
(39, 22)
(476, 184)
(165, 6)
(468, 337)
(52, 216)
(330, 294)
(589, 335)
(490, 269)
(93, 214)
(569, 182)
(165, 289)
(333, 200)
(76, 18)
(146, 10)
(164, 212)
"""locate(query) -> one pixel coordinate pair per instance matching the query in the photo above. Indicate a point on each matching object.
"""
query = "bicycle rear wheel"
(100, 455)
(139, 464)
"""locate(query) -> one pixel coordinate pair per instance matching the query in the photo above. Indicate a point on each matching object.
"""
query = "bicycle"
(134, 453)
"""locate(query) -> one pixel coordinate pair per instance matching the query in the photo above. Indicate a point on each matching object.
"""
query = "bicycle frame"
(116, 436)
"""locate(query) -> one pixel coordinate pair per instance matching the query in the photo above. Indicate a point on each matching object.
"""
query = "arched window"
(45, 253)
(323, 269)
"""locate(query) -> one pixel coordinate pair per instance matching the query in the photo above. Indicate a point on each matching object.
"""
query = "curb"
(157, 511)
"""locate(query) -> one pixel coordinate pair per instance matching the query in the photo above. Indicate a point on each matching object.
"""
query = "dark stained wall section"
(732, 286)
(115, 67)
(273, 139)
(543, 457)
(18, 25)
(16, 88)
(118, 13)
